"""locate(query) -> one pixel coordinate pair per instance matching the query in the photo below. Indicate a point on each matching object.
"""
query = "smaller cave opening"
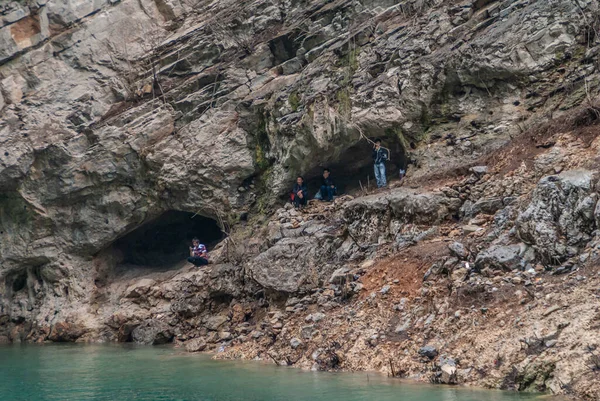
(165, 240)
(355, 167)
(284, 47)
(17, 281)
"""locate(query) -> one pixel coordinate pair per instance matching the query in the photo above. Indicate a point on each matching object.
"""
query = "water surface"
(116, 372)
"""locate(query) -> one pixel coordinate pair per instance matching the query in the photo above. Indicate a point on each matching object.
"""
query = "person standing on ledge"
(198, 253)
(380, 156)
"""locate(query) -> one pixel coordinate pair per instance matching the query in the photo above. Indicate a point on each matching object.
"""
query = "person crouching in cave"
(328, 189)
(198, 253)
(300, 193)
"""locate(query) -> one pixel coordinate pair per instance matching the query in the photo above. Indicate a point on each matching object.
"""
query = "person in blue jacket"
(380, 156)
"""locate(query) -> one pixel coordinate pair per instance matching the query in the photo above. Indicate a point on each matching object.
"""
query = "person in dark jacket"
(327, 186)
(300, 193)
(380, 156)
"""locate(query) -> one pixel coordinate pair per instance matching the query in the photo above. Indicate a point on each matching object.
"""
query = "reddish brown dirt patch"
(408, 267)
(582, 122)
(25, 29)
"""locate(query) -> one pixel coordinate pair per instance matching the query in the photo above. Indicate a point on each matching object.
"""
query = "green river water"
(123, 373)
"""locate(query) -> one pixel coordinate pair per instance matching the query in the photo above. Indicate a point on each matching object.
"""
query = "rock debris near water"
(183, 118)
(428, 351)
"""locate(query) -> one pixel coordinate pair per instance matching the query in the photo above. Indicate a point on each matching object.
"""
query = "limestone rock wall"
(112, 112)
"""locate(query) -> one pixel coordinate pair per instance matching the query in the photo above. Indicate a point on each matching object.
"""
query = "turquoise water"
(123, 373)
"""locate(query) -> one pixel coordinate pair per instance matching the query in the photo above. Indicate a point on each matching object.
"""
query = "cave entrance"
(356, 164)
(284, 47)
(165, 240)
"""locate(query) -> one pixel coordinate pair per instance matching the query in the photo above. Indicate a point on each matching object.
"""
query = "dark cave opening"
(355, 167)
(16, 281)
(284, 47)
(166, 239)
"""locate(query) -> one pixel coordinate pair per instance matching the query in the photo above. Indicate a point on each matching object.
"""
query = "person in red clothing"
(198, 253)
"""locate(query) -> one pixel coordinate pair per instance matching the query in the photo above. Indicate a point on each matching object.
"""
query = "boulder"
(195, 345)
(315, 317)
(152, 332)
(341, 276)
(561, 216)
(291, 66)
(501, 257)
(124, 332)
(307, 332)
(139, 288)
(256, 334)
(357, 287)
(422, 208)
(65, 332)
(428, 351)
(459, 274)
(484, 205)
(479, 170)
(188, 307)
(225, 280)
(471, 228)
(225, 336)
(368, 217)
(488, 205)
(458, 249)
(215, 322)
(403, 327)
(447, 371)
(286, 265)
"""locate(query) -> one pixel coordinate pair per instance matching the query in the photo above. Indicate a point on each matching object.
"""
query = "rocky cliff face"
(117, 114)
